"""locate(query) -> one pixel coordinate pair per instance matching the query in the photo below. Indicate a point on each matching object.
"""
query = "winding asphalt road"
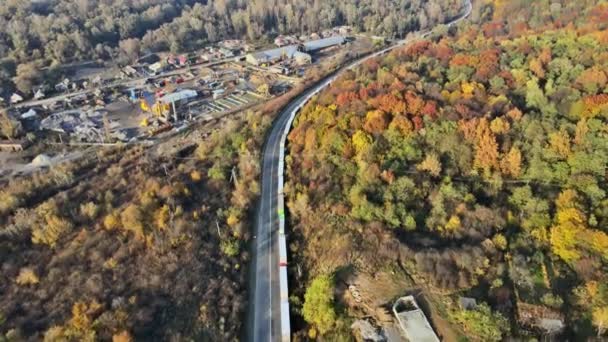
(264, 323)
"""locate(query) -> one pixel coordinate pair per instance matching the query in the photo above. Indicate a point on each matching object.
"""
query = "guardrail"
(283, 282)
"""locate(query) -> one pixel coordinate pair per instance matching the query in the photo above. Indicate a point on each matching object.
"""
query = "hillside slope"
(470, 164)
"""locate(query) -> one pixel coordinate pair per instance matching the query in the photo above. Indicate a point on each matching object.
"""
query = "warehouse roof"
(287, 51)
(178, 96)
(320, 44)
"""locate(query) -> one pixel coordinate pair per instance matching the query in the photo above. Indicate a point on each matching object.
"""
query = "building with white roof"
(16, 98)
(320, 44)
(299, 53)
(412, 321)
(179, 96)
(277, 55)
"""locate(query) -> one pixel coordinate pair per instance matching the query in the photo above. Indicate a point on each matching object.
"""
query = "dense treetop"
(483, 150)
(52, 32)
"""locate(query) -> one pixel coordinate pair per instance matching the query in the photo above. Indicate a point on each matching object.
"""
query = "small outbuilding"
(39, 94)
(16, 98)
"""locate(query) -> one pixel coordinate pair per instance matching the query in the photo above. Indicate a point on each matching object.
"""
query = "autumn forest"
(474, 163)
(466, 167)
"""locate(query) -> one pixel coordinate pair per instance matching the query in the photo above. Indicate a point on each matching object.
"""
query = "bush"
(132, 220)
(216, 173)
(27, 276)
(89, 210)
(111, 221)
(483, 323)
(230, 247)
(195, 176)
(8, 202)
(123, 336)
(48, 227)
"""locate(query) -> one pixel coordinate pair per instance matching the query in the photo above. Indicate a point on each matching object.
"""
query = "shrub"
(230, 247)
(114, 171)
(123, 336)
(162, 217)
(195, 176)
(8, 202)
(112, 221)
(132, 220)
(54, 334)
(483, 323)
(89, 210)
(49, 227)
(216, 173)
(27, 276)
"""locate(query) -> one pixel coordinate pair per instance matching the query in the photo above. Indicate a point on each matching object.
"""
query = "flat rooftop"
(413, 322)
(417, 327)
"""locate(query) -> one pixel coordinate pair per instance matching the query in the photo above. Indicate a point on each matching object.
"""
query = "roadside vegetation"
(472, 163)
(133, 242)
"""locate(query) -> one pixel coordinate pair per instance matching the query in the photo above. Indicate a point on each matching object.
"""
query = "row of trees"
(484, 153)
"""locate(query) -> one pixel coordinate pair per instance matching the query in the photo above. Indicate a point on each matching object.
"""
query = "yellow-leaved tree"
(431, 164)
(486, 149)
(600, 319)
(570, 223)
(510, 165)
(570, 236)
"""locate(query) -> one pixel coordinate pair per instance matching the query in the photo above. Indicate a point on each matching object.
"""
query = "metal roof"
(287, 51)
(291, 51)
(178, 96)
(299, 54)
(315, 45)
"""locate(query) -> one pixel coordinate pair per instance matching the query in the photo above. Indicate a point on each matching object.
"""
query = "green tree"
(535, 98)
(318, 306)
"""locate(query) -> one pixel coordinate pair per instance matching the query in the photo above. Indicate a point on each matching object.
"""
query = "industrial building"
(279, 54)
(300, 54)
(179, 97)
(162, 106)
(320, 44)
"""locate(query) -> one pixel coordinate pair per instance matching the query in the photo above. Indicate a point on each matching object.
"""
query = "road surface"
(265, 310)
